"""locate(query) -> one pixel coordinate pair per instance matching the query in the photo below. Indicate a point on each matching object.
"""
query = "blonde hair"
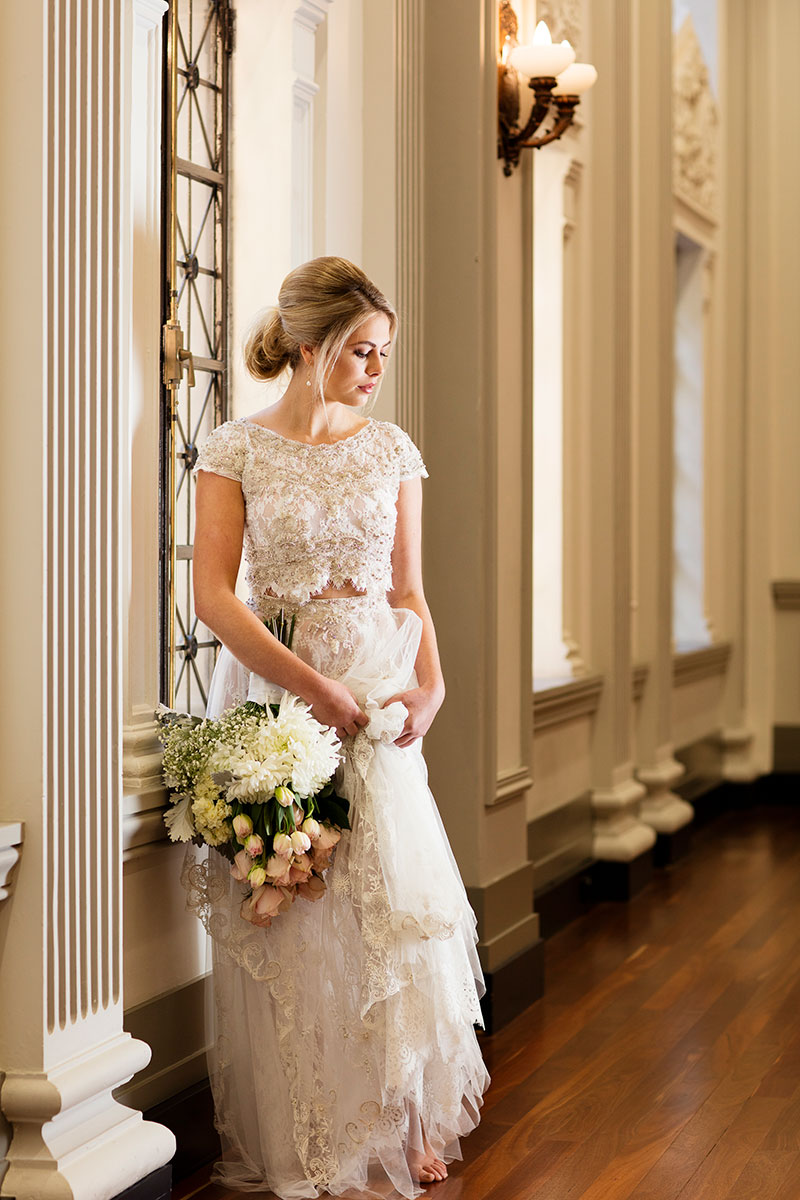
(320, 304)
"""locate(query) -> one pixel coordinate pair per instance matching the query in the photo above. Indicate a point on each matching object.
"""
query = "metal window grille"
(198, 47)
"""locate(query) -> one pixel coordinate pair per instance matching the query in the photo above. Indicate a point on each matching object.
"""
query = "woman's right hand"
(335, 705)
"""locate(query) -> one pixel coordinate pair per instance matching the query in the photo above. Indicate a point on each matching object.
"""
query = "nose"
(375, 365)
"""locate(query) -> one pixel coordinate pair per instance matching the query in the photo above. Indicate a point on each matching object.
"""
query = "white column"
(65, 73)
(619, 833)
(653, 271)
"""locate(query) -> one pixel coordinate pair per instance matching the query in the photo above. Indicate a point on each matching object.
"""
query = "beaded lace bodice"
(316, 516)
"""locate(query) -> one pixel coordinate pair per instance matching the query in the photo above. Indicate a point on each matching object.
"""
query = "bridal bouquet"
(256, 783)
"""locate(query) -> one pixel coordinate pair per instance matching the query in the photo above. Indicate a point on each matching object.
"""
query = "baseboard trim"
(155, 1186)
(672, 847)
(786, 748)
(190, 1116)
(565, 899)
(513, 987)
(622, 880)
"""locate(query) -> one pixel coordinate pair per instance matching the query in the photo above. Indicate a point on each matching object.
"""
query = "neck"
(306, 418)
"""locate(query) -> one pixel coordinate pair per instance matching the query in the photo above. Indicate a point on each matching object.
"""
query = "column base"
(661, 808)
(565, 899)
(619, 834)
(736, 751)
(71, 1140)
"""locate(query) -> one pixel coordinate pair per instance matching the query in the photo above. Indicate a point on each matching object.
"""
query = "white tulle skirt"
(347, 1027)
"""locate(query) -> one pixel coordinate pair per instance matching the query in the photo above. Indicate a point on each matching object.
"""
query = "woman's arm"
(219, 531)
(424, 701)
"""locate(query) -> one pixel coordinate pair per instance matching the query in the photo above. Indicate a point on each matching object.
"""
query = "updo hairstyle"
(320, 305)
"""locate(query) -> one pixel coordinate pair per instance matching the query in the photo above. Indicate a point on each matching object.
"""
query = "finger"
(362, 718)
(352, 729)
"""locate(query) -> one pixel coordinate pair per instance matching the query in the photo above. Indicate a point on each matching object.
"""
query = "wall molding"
(786, 594)
(566, 701)
(639, 676)
(693, 665)
(173, 1025)
(310, 14)
(511, 784)
(142, 753)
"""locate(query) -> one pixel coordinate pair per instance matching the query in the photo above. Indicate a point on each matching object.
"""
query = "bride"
(344, 1052)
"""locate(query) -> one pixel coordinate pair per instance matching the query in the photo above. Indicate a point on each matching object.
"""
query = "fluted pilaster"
(62, 1047)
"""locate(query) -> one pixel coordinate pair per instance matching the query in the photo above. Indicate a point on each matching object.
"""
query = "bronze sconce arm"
(511, 138)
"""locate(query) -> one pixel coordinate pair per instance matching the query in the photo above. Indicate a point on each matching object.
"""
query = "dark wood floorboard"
(663, 1062)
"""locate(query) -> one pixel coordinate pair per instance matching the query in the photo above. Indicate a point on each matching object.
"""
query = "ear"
(308, 355)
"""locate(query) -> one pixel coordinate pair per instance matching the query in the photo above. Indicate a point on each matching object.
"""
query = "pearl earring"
(308, 383)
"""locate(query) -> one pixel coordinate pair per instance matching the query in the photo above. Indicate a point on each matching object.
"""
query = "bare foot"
(429, 1168)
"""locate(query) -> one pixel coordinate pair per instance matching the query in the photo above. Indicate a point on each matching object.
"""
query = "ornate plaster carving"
(695, 123)
(563, 19)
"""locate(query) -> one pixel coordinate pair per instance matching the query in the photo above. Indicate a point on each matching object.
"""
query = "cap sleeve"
(409, 459)
(223, 451)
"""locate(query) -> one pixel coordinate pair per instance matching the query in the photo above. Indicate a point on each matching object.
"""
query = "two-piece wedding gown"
(347, 1027)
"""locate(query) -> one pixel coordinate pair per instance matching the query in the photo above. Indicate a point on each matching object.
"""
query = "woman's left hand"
(422, 706)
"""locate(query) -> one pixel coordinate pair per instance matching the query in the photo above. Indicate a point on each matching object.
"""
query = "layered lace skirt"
(346, 1027)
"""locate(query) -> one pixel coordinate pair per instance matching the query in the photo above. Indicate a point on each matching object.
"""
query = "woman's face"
(361, 364)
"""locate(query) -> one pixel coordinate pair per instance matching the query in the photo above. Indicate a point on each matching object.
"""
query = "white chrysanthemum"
(269, 751)
(314, 748)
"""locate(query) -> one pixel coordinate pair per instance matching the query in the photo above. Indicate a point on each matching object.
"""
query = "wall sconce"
(554, 77)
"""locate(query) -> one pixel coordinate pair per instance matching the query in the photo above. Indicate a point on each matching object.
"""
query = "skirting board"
(622, 880)
(672, 847)
(190, 1116)
(786, 748)
(155, 1186)
(513, 987)
(563, 900)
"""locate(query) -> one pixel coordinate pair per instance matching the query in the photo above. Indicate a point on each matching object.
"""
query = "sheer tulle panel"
(349, 1022)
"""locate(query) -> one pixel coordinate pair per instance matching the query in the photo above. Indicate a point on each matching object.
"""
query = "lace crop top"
(316, 516)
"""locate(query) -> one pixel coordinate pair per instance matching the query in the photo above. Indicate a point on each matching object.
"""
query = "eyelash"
(364, 354)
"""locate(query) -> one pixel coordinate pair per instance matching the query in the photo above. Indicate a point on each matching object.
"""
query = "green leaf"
(336, 815)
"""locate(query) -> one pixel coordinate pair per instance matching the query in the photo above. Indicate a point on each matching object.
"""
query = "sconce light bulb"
(541, 35)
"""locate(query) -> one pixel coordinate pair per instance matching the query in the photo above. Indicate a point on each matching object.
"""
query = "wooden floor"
(664, 1059)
